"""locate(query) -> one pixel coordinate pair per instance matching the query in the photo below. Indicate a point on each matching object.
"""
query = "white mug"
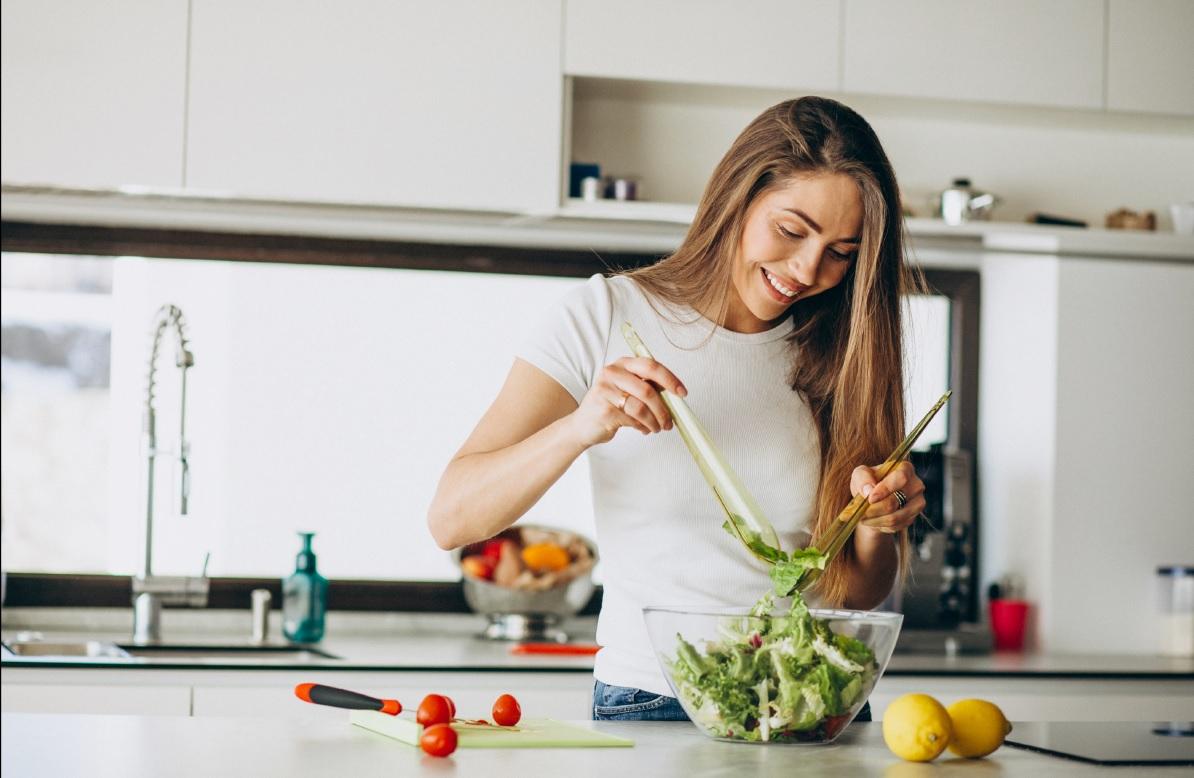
(1183, 218)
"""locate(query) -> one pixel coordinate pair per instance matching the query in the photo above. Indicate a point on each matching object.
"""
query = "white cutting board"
(530, 733)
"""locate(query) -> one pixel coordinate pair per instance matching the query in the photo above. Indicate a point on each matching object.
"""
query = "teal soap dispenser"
(304, 598)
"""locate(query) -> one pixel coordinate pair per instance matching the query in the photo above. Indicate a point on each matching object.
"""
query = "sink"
(88, 648)
(98, 649)
(292, 653)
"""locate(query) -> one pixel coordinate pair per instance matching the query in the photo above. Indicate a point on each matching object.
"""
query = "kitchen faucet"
(151, 592)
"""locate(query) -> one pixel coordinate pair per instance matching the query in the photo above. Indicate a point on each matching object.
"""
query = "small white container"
(1183, 217)
(1176, 589)
(590, 188)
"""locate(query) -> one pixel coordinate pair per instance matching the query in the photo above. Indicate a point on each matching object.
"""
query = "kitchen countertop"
(413, 642)
(133, 746)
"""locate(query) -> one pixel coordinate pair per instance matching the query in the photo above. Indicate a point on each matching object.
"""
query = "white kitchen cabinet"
(453, 104)
(558, 695)
(1013, 51)
(125, 699)
(1150, 56)
(785, 44)
(541, 695)
(93, 94)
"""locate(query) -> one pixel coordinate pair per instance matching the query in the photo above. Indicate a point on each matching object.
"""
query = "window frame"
(83, 590)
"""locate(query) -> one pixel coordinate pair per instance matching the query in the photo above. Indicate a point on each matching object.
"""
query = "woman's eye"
(787, 234)
(840, 256)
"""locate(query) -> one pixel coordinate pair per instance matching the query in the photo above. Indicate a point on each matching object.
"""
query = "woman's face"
(798, 240)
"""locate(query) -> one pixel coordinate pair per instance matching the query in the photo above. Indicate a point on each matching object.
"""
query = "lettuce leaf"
(808, 672)
(786, 574)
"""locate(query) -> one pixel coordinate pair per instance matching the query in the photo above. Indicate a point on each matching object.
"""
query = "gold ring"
(622, 402)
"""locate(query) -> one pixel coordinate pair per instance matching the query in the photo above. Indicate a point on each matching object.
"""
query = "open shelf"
(629, 210)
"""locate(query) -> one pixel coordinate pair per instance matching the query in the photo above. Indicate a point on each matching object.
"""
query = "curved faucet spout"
(169, 318)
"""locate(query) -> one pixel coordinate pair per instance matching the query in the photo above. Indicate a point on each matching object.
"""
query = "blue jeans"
(622, 703)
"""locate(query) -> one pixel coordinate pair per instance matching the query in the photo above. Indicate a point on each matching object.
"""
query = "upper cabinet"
(454, 104)
(785, 44)
(1012, 51)
(1150, 48)
(93, 93)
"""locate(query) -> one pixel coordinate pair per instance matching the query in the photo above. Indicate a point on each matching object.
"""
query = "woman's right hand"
(626, 394)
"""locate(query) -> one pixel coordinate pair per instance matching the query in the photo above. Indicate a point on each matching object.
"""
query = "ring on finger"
(901, 498)
(621, 406)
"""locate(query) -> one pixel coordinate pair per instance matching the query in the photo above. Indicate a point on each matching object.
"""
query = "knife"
(319, 694)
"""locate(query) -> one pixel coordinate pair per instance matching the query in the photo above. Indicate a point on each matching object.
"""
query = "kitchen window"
(322, 398)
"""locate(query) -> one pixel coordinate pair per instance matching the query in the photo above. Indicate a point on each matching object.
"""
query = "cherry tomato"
(506, 711)
(451, 705)
(434, 709)
(834, 724)
(438, 740)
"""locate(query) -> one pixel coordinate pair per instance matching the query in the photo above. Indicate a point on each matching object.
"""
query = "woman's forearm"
(483, 493)
(872, 569)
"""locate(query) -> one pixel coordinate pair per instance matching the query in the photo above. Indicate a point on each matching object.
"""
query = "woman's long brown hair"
(846, 345)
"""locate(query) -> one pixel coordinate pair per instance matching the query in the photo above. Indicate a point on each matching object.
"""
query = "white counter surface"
(135, 746)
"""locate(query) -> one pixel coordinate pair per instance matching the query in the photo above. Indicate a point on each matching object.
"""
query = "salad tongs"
(835, 538)
(745, 517)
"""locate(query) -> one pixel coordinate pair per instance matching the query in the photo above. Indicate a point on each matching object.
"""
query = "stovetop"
(1109, 742)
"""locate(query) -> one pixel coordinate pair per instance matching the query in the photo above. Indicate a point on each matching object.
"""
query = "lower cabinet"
(254, 693)
(557, 695)
(541, 695)
(119, 699)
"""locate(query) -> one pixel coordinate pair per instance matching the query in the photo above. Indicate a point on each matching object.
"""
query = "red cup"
(1008, 619)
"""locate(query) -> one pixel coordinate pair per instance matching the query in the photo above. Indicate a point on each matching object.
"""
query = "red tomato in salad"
(438, 740)
(835, 724)
(434, 709)
(506, 711)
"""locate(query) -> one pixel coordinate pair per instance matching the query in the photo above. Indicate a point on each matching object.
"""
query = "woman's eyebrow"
(817, 227)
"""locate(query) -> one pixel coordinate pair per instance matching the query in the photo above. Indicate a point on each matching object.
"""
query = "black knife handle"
(342, 698)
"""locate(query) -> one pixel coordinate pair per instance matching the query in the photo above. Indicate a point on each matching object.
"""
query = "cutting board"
(530, 733)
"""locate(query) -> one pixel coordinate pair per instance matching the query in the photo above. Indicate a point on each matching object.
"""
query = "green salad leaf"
(753, 541)
(787, 572)
(772, 676)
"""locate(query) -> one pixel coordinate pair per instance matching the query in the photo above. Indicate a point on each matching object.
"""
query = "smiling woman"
(780, 318)
(788, 250)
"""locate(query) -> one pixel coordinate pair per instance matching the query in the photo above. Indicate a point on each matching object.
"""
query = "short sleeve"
(569, 342)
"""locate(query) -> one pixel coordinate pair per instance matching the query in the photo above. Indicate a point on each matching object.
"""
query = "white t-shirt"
(658, 526)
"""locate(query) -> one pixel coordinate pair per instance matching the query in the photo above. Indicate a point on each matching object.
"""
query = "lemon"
(916, 727)
(979, 728)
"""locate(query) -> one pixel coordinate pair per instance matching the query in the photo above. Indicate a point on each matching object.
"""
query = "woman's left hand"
(885, 513)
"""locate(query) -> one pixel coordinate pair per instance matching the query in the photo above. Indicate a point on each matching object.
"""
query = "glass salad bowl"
(763, 675)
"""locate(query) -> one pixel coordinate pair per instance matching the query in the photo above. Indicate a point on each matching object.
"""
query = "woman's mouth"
(780, 290)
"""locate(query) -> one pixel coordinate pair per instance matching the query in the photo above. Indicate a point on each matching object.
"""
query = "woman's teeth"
(778, 285)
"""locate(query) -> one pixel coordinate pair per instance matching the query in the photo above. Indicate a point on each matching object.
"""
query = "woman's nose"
(804, 266)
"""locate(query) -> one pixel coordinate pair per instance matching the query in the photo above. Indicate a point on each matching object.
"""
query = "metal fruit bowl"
(519, 614)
